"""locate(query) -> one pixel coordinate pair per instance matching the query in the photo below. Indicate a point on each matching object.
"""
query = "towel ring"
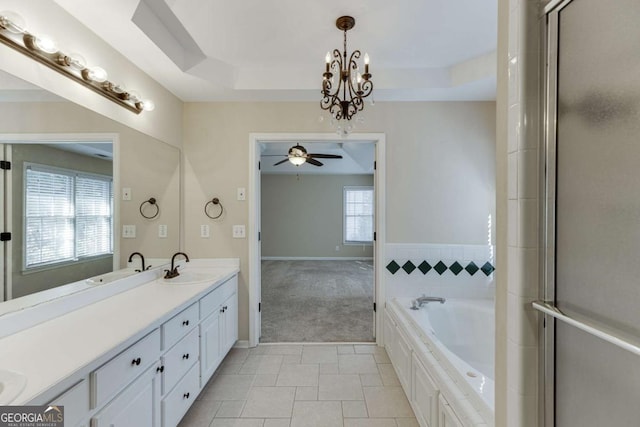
(214, 201)
(151, 202)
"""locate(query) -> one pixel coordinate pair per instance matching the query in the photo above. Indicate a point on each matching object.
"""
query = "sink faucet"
(170, 274)
(418, 302)
(142, 259)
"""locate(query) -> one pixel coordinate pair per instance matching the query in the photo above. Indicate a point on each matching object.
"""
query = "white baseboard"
(304, 258)
(241, 344)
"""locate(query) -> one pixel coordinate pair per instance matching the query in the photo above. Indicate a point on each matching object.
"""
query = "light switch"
(162, 231)
(128, 231)
(126, 193)
(238, 232)
(242, 193)
(204, 231)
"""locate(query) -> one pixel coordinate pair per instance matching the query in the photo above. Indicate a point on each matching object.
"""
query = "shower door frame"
(548, 209)
(548, 180)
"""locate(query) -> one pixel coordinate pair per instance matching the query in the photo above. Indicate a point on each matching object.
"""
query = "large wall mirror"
(62, 200)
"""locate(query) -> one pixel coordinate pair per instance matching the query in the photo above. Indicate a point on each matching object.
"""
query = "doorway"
(259, 142)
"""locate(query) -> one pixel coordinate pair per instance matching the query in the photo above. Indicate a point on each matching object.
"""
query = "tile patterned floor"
(303, 386)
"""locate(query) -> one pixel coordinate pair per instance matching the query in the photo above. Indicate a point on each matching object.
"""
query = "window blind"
(68, 215)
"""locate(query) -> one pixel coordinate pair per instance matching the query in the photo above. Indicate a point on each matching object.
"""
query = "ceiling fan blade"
(313, 161)
(281, 162)
(273, 155)
(325, 156)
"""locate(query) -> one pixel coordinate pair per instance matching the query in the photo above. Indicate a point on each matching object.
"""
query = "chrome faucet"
(142, 259)
(418, 302)
(170, 274)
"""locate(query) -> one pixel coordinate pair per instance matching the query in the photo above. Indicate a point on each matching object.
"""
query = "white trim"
(316, 258)
(255, 139)
(241, 344)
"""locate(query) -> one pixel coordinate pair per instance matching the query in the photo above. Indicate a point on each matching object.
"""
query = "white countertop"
(57, 349)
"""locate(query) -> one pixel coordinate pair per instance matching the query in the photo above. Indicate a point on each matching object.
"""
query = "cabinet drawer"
(75, 402)
(179, 325)
(177, 361)
(210, 302)
(122, 369)
(178, 401)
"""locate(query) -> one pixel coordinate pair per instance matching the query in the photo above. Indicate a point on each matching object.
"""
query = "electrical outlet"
(126, 193)
(337, 248)
(162, 231)
(239, 232)
(204, 231)
(128, 231)
(242, 193)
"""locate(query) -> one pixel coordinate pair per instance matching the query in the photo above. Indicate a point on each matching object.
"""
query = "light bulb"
(359, 78)
(134, 96)
(118, 88)
(12, 22)
(76, 61)
(327, 58)
(148, 105)
(96, 74)
(366, 59)
(46, 44)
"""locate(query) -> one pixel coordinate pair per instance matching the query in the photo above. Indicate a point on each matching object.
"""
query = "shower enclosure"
(591, 295)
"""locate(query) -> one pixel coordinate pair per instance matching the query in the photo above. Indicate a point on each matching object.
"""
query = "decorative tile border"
(440, 267)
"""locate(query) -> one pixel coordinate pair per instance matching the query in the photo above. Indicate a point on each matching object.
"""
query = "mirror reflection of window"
(68, 215)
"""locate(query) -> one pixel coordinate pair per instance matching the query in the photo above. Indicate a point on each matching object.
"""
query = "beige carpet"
(317, 301)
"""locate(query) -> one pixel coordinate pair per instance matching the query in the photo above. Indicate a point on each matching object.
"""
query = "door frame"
(253, 197)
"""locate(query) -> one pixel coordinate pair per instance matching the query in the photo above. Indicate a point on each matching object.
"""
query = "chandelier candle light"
(347, 98)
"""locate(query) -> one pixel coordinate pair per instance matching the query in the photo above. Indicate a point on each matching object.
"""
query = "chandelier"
(346, 98)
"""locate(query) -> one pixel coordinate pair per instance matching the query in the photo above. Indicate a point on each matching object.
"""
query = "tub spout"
(425, 299)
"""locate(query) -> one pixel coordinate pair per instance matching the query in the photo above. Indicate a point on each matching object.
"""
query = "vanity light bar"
(44, 50)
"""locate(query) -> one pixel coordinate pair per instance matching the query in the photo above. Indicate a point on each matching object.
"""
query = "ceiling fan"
(298, 155)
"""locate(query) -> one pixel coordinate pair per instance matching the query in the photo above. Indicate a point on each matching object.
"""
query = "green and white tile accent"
(450, 271)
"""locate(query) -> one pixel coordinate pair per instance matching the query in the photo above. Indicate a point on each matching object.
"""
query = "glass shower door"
(593, 214)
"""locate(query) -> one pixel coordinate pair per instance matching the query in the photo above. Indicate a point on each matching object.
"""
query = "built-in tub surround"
(455, 343)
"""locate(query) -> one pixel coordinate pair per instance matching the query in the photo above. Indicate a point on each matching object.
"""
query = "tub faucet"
(418, 302)
(170, 274)
(142, 261)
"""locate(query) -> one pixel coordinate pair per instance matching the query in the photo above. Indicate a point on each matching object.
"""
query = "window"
(358, 215)
(68, 215)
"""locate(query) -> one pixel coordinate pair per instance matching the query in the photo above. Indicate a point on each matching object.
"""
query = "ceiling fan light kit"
(344, 99)
(298, 156)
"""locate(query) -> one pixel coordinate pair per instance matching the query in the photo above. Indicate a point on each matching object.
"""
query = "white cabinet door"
(389, 335)
(137, 406)
(76, 403)
(446, 415)
(210, 351)
(230, 312)
(402, 352)
(424, 396)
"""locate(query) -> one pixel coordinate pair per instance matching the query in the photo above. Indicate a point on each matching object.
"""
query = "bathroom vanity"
(139, 357)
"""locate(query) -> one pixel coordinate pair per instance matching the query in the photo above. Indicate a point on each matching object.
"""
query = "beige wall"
(149, 167)
(301, 216)
(440, 166)
(46, 17)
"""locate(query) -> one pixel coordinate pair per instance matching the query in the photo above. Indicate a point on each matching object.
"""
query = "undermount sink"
(191, 278)
(11, 385)
(110, 277)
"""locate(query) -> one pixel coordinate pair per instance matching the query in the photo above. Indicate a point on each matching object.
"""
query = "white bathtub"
(461, 335)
